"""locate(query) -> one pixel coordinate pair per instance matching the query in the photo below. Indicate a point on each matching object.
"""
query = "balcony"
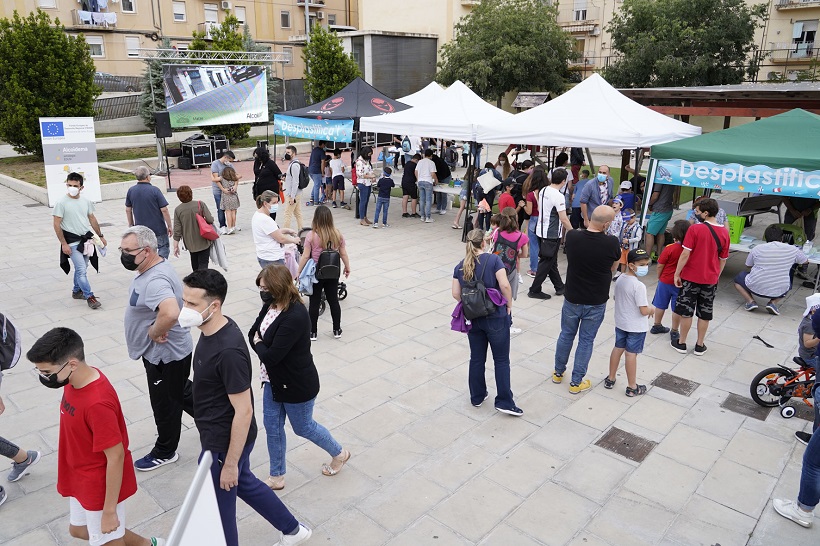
(94, 20)
(207, 28)
(311, 3)
(584, 58)
(789, 51)
(796, 4)
(470, 3)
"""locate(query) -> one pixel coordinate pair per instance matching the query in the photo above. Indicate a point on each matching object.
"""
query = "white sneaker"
(376, 226)
(290, 540)
(514, 330)
(443, 212)
(520, 279)
(221, 230)
(238, 229)
(789, 510)
(429, 221)
(422, 219)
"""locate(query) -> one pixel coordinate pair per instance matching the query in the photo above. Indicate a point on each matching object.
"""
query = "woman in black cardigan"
(290, 382)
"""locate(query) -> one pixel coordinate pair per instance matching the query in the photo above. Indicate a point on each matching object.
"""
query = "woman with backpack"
(509, 244)
(479, 271)
(325, 245)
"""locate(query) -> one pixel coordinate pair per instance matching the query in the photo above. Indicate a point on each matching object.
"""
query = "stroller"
(300, 249)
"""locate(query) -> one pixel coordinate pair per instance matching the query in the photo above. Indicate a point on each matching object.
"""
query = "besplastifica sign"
(315, 129)
(735, 177)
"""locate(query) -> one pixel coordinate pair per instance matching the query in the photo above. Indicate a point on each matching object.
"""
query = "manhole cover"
(626, 444)
(32, 205)
(745, 406)
(675, 384)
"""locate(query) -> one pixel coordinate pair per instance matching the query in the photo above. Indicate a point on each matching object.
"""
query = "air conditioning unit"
(320, 15)
(226, 5)
(596, 31)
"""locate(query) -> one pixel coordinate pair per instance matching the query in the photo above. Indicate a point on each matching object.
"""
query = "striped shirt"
(770, 265)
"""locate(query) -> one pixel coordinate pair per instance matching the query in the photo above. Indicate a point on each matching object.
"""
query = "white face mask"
(274, 207)
(73, 191)
(191, 318)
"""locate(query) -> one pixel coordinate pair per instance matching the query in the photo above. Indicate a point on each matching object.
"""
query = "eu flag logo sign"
(53, 129)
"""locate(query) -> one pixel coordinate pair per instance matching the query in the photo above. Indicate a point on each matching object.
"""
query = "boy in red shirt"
(94, 466)
(666, 292)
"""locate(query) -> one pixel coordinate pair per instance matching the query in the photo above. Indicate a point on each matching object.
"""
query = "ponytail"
(474, 240)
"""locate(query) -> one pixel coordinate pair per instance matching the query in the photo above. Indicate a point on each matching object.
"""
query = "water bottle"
(807, 248)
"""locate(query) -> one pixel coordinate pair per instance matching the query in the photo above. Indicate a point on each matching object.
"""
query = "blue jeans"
(382, 203)
(220, 214)
(809, 495)
(364, 198)
(254, 492)
(495, 332)
(265, 263)
(317, 184)
(574, 317)
(443, 198)
(425, 198)
(163, 245)
(534, 244)
(80, 264)
(301, 420)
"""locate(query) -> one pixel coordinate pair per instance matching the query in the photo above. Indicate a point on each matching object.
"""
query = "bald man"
(592, 256)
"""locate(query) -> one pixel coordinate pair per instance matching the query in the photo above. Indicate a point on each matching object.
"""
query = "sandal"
(327, 469)
(637, 391)
(609, 383)
(276, 483)
(455, 226)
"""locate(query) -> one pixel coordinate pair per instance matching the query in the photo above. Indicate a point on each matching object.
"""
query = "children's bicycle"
(776, 386)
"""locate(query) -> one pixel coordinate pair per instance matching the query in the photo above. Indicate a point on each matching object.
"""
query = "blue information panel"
(333, 130)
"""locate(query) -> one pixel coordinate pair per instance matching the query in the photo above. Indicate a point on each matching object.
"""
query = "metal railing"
(780, 4)
(116, 107)
(97, 21)
(785, 51)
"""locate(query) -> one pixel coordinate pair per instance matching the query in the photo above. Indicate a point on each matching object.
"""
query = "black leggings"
(199, 260)
(331, 289)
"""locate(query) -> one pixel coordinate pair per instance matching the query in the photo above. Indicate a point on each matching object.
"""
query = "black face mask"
(52, 382)
(128, 261)
(267, 297)
(287, 157)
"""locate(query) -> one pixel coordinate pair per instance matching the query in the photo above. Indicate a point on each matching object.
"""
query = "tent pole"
(647, 194)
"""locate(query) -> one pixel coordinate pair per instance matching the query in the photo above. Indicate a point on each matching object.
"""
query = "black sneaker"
(679, 347)
(78, 295)
(802, 437)
(699, 349)
(415, 215)
(659, 329)
(538, 295)
(337, 333)
(405, 215)
(559, 292)
(314, 336)
(479, 404)
(514, 411)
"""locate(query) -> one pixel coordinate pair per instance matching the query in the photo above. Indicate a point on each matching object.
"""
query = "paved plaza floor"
(427, 467)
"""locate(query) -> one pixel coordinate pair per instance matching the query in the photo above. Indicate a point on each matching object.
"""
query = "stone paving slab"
(427, 467)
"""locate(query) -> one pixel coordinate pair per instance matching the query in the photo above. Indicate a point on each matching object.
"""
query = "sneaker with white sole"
(149, 462)
(291, 540)
(515, 411)
(3, 496)
(18, 470)
(789, 510)
(314, 336)
(803, 437)
(429, 221)
(514, 330)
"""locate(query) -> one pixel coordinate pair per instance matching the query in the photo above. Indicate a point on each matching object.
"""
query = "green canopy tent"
(779, 155)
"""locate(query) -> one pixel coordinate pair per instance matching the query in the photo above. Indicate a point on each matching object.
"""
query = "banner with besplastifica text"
(787, 181)
(332, 130)
(70, 145)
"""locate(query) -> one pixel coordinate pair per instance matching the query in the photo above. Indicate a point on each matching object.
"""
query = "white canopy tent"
(429, 93)
(458, 114)
(592, 114)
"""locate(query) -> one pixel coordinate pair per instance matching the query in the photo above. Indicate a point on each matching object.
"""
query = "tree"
(44, 72)
(153, 92)
(667, 43)
(503, 45)
(328, 69)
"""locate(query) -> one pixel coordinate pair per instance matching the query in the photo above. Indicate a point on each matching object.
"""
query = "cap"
(626, 185)
(507, 182)
(812, 302)
(637, 255)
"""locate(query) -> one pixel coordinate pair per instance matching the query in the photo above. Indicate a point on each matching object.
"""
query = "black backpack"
(406, 147)
(475, 303)
(329, 266)
(451, 156)
(507, 251)
(10, 344)
(304, 178)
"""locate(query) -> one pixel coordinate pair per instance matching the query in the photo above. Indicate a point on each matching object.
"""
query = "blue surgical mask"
(642, 270)
(274, 208)
(601, 177)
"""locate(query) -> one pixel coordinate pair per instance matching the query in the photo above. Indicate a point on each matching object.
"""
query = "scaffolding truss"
(227, 57)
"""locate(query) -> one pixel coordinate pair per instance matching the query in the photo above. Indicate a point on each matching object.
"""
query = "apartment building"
(116, 29)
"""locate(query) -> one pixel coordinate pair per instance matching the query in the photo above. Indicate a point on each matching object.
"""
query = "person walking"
(316, 169)
(186, 228)
(153, 335)
(365, 178)
(21, 460)
(145, 205)
(268, 237)
(324, 236)
(230, 198)
(290, 381)
(801, 510)
(223, 409)
(592, 256)
(267, 173)
(216, 184)
(291, 189)
(705, 251)
(409, 188)
(73, 221)
(552, 223)
(94, 464)
(492, 330)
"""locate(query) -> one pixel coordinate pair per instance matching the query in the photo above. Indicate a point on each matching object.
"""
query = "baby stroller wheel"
(787, 412)
(322, 306)
(342, 290)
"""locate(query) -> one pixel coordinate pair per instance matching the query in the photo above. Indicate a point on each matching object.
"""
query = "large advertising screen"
(208, 94)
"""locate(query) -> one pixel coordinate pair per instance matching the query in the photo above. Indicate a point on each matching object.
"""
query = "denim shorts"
(665, 294)
(631, 341)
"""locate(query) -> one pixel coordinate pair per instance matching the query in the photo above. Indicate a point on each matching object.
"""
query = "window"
(239, 13)
(211, 13)
(288, 51)
(331, 18)
(132, 44)
(179, 12)
(129, 6)
(95, 43)
(47, 4)
(579, 10)
(803, 34)
(285, 17)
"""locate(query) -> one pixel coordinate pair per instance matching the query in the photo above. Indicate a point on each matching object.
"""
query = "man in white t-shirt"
(337, 170)
(552, 223)
(426, 179)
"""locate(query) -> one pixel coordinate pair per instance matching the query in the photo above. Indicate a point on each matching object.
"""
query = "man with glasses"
(153, 334)
(73, 223)
(596, 193)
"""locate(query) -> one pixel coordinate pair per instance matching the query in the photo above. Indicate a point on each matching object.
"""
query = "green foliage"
(667, 43)
(503, 45)
(328, 69)
(153, 93)
(43, 73)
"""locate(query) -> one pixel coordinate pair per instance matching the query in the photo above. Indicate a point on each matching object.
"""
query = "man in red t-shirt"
(705, 250)
(94, 466)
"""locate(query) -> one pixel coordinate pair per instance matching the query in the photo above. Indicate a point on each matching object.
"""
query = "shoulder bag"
(206, 230)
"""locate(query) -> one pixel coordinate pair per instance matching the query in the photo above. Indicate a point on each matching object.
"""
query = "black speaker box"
(185, 163)
(162, 122)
